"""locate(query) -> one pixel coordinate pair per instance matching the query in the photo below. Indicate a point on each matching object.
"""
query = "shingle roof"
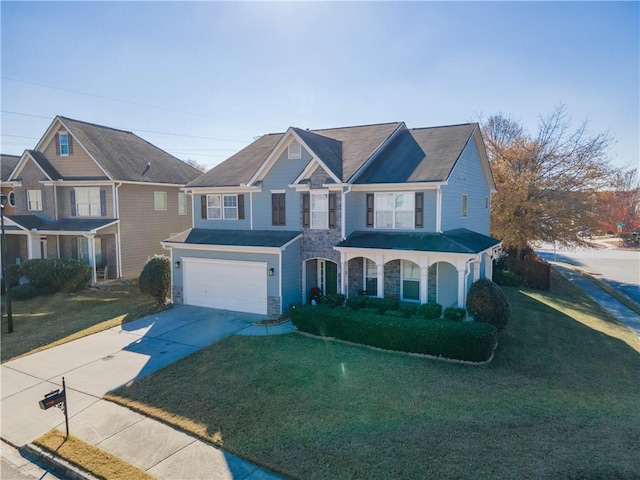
(127, 157)
(7, 164)
(239, 168)
(45, 164)
(328, 149)
(453, 241)
(245, 238)
(31, 222)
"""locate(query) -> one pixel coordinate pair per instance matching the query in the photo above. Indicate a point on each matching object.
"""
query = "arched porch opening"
(320, 274)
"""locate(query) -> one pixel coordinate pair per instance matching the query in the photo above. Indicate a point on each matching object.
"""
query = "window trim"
(222, 207)
(366, 277)
(61, 145)
(92, 211)
(311, 210)
(160, 194)
(377, 195)
(402, 280)
(38, 201)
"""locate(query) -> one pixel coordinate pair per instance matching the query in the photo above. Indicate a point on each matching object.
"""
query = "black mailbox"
(51, 399)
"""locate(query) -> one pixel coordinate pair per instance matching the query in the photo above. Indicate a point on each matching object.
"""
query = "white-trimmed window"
(34, 200)
(222, 207)
(63, 141)
(88, 201)
(465, 205)
(83, 249)
(320, 210)
(370, 277)
(294, 151)
(159, 200)
(395, 210)
(410, 281)
(182, 203)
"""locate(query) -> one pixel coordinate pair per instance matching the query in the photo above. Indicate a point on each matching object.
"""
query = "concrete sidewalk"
(616, 308)
(99, 363)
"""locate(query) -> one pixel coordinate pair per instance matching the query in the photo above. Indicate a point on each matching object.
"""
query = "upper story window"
(394, 210)
(294, 151)
(222, 207)
(182, 203)
(63, 143)
(34, 200)
(88, 202)
(465, 205)
(159, 200)
(278, 211)
(320, 210)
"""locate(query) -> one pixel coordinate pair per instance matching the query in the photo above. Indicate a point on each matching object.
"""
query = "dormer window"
(294, 151)
(63, 143)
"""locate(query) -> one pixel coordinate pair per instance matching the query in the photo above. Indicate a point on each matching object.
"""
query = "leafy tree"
(547, 181)
(620, 202)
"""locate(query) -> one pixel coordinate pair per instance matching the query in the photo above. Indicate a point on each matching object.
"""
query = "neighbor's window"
(394, 210)
(63, 140)
(34, 200)
(294, 151)
(465, 205)
(410, 281)
(83, 249)
(182, 203)
(88, 202)
(222, 207)
(320, 210)
(370, 278)
(159, 200)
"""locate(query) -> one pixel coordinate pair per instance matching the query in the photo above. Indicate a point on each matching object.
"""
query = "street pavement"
(99, 363)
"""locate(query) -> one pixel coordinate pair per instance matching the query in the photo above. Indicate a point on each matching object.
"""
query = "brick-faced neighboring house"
(7, 164)
(97, 194)
(378, 210)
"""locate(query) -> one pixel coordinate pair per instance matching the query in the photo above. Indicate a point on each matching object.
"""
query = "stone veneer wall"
(392, 279)
(355, 276)
(177, 295)
(273, 306)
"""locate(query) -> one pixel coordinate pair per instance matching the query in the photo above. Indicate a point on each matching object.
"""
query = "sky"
(201, 80)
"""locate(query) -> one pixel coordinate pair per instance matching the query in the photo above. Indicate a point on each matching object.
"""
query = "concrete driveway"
(99, 363)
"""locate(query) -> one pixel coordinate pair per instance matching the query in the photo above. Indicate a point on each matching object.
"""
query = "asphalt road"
(620, 268)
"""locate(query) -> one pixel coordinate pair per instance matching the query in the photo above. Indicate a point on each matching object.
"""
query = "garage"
(226, 284)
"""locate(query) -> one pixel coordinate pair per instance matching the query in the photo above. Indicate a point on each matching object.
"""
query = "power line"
(18, 136)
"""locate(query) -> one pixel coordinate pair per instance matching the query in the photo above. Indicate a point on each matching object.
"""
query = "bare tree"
(547, 181)
(198, 166)
(620, 202)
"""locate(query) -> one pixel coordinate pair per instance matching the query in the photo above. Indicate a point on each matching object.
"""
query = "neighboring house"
(96, 194)
(378, 210)
(7, 164)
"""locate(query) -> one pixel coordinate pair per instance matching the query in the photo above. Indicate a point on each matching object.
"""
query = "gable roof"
(328, 149)
(7, 164)
(126, 157)
(44, 163)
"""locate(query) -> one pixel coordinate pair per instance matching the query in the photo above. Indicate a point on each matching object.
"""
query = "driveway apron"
(99, 363)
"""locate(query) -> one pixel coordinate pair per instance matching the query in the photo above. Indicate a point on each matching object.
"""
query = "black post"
(5, 275)
(65, 409)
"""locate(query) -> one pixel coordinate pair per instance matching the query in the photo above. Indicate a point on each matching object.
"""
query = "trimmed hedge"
(57, 275)
(430, 311)
(24, 292)
(469, 341)
(455, 314)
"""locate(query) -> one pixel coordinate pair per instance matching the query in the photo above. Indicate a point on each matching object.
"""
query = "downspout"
(116, 211)
(466, 276)
(439, 209)
(171, 268)
(343, 212)
(251, 208)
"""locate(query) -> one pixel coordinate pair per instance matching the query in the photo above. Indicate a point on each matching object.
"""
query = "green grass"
(91, 459)
(560, 400)
(46, 321)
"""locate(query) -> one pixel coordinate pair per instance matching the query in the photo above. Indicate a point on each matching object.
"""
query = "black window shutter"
(306, 210)
(332, 210)
(419, 210)
(240, 207)
(58, 144)
(103, 203)
(203, 206)
(74, 248)
(278, 213)
(370, 200)
(73, 203)
(70, 143)
(283, 211)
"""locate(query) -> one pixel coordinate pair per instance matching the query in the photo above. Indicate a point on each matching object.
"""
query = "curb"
(58, 464)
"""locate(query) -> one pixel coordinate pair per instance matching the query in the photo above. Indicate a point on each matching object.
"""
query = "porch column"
(424, 280)
(476, 269)
(343, 276)
(91, 241)
(380, 274)
(461, 285)
(488, 267)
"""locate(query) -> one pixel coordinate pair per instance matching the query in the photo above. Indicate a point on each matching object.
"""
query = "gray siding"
(467, 178)
(244, 224)
(270, 258)
(291, 276)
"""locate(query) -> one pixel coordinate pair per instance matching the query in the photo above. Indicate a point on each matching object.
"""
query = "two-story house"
(96, 194)
(378, 210)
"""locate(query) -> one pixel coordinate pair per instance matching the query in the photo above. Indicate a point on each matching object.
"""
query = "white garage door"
(229, 285)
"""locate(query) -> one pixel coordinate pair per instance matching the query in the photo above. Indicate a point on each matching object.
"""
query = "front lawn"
(560, 400)
(46, 321)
